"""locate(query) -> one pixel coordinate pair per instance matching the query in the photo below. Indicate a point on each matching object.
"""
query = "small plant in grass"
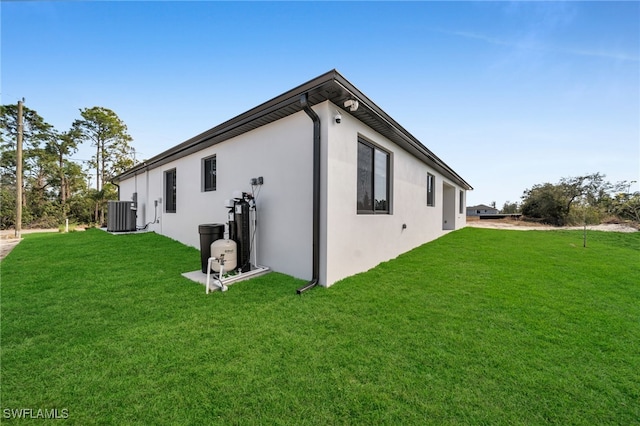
(584, 214)
(63, 228)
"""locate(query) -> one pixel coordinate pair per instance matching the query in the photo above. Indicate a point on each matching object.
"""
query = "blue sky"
(509, 94)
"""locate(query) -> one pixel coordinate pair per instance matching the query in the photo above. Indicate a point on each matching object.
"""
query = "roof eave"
(330, 86)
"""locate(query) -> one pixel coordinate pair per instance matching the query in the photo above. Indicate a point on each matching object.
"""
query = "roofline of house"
(482, 206)
(331, 86)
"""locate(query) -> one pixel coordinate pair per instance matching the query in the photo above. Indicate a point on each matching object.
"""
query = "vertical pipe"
(315, 277)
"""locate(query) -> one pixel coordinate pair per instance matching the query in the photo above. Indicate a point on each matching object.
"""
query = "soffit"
(330, 86)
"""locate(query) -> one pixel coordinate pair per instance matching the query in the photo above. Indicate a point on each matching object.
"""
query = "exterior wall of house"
(357, 242)
(280, 152)
(477, 211)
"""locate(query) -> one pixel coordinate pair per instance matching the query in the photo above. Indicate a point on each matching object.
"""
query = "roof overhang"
(331, 86)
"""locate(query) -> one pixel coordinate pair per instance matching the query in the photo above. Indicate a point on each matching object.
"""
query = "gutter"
(315, 276)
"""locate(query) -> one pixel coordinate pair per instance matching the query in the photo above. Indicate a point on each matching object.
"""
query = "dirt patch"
(521, 225)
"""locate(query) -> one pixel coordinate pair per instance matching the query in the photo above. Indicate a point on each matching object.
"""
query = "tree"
(36, 132)
(39, 190)
(545, 202)
(552, 203)
(54, 187)
(108, 134)
(593, 187)
(7, 206)
(61, 147)
(509, 208)
(627, 206)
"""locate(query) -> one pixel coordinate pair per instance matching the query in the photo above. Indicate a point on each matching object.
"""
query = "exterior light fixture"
(352, 104)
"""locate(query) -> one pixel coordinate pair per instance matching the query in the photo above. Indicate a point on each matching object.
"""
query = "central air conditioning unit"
(121, 216)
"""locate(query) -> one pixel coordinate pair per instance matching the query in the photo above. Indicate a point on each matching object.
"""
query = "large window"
(209, 174)
(373, 179)
(170, 191)
(431, 190)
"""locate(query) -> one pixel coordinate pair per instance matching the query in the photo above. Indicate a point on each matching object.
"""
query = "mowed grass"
(478, 327)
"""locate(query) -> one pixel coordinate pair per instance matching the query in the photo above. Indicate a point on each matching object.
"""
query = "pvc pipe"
(222, 287)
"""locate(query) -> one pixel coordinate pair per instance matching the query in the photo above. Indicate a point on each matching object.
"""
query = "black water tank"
(209, 233)
(242, 237)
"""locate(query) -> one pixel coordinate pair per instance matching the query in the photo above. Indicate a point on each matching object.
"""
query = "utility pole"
(19, 172)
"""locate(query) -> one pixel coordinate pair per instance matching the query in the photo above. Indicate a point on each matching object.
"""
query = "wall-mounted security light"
(352, 104)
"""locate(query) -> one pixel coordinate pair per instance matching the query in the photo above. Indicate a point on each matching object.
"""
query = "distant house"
(481, 209)
(345, 186)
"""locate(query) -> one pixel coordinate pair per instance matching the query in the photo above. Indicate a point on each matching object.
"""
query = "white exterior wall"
(357, 242)
(280, 152)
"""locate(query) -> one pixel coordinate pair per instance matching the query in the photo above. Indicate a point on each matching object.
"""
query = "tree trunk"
(104, 162)
(63, 193)
(97, 168)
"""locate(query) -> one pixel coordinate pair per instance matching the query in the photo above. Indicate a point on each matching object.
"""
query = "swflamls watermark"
(35, 413)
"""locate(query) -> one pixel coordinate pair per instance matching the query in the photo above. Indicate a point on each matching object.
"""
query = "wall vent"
(121, 216)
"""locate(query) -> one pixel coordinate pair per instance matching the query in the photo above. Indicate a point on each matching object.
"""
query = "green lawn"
(479, 327)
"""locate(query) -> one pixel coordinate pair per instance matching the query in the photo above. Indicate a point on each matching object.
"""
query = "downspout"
(315, 277)
(118, 186)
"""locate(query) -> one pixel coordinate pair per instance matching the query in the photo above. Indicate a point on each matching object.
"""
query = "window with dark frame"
(209, 174)
(461, 208)
(170, 191)
(373, 179)
(431, 190)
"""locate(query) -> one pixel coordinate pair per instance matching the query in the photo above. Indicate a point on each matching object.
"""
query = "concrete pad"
(197, 276)
(141, 231)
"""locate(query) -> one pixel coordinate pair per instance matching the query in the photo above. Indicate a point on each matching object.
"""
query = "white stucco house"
(345, 186)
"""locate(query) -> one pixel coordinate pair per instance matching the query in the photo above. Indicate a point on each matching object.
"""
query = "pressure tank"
(227, 250)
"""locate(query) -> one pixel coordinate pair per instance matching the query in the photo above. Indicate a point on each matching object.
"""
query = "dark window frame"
(210, 184)
(431, 190)
(170, 191)
(461, 201)
(383, 207)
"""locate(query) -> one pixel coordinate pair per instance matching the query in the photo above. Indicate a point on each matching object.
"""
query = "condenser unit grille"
(121, 216)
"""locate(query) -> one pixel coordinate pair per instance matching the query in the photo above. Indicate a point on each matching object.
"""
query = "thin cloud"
(619, 56)
(609, 55)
